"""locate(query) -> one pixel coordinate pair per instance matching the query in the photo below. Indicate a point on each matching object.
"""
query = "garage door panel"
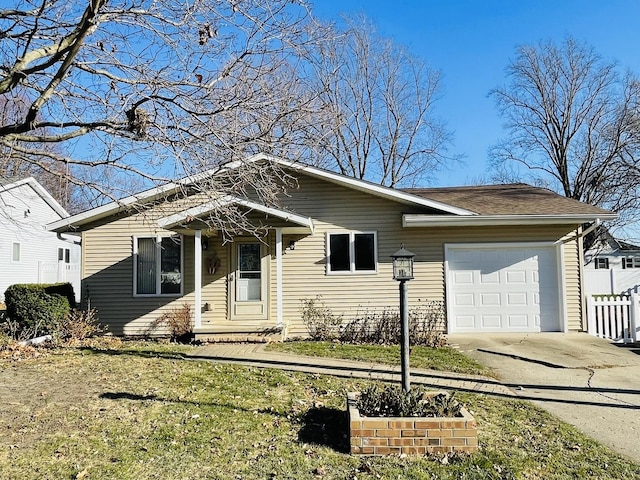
(463, 277)
(516, 276)
(518, 321)
(517, 299)
(490, 278)
(466, 321)
(464, 299)
(490, 299)
(491, 321)
(503, 288)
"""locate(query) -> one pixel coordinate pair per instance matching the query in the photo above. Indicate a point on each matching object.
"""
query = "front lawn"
(443, 359)
(139, 411)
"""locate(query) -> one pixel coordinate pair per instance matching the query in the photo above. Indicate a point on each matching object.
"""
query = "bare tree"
(377, 102)
(150, 90)
(573, 123)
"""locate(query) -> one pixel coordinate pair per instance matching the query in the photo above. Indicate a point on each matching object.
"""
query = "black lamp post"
(402, 272)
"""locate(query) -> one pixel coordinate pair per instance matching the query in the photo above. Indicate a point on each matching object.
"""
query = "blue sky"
(471, 42)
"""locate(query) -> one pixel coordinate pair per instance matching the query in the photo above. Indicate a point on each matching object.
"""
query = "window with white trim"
(352, 252)
(631, 262)
(601, 263)
(15, 252)
(157, 265)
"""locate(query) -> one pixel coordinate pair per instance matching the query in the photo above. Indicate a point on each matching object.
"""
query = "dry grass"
(139, 410)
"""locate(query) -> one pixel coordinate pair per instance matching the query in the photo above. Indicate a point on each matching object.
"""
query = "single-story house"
(503, 258)
(29, 253)
(612, 266)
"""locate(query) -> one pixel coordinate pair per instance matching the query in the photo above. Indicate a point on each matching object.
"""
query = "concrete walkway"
(256, 355)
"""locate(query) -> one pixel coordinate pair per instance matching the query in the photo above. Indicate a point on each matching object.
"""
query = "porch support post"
(197, 276)
(279, 276)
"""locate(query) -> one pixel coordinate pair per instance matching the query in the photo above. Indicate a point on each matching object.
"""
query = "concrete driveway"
(586, 381)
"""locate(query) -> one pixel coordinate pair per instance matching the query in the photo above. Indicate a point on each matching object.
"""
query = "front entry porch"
(237, 284)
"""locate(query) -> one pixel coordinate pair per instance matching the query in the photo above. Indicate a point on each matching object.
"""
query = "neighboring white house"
(28, 252)
(611, 266)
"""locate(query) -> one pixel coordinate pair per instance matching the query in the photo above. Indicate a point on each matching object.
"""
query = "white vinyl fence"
(614, 317)
(612, 281)
(56, 272)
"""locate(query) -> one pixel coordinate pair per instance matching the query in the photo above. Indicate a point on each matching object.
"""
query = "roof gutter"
(68, 240)
(422, 221)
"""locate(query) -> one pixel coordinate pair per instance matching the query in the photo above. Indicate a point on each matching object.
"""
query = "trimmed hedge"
(37, 309)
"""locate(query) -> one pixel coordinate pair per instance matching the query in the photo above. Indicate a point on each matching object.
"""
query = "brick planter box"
(410, 435)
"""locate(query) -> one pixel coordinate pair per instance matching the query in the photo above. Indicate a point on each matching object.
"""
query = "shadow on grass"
(325, 426)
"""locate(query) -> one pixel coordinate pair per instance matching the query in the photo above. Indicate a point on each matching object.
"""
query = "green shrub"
(32, 311)
(62, 289)
(392, 401)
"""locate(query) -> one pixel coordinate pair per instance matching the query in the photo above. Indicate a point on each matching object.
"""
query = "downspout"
(68, 240)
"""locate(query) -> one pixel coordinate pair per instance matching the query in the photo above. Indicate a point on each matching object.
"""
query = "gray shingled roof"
(510, 199)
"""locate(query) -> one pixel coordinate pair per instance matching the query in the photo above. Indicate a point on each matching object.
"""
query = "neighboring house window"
(158, 265)
(602, 263)
(15, 252)
(63, 255)
(631, 262)
(351, 252)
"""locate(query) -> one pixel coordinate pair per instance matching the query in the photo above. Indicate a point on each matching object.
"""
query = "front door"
(248, 286)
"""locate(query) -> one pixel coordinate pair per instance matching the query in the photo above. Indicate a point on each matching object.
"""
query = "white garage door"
(502, 289)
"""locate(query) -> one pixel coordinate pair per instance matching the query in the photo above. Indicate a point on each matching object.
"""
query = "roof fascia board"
(417, 220)
(207, 207)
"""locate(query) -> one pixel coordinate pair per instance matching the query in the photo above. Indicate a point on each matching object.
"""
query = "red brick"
(428, 424)
(374, 442)
(464, 433)
(454, 441)
(414, 450)
(401, 424)
(453, 424)
(375, 424)
(400, 441)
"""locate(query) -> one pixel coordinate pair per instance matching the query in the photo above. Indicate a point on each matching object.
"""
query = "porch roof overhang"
(418, 220)
(300, 222)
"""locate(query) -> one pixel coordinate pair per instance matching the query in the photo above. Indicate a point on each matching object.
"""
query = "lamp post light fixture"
(403, 272)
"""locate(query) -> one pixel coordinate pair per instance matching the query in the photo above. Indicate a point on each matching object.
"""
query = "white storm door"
(248, 290)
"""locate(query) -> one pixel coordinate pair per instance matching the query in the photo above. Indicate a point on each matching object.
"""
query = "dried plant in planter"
(392, 401)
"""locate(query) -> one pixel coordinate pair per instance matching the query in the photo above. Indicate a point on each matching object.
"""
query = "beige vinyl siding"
(572, 271)
(338, 209)
(108, 264)
(108, 276)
